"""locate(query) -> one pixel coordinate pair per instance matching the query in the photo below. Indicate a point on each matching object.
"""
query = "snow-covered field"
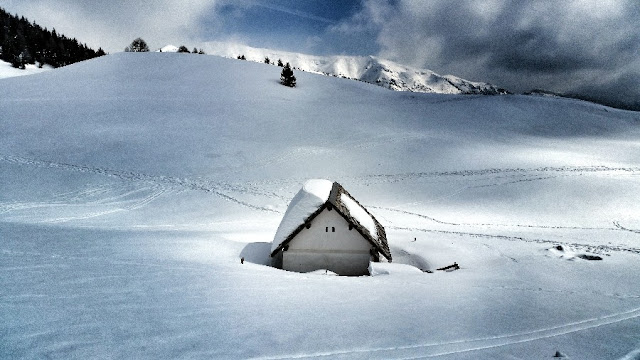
(132, 185)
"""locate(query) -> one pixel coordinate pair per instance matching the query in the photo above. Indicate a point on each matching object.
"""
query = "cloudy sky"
(590, 47)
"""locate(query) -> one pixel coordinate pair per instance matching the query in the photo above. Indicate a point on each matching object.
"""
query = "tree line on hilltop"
(139, 45)
(286, 76)
(23, 42)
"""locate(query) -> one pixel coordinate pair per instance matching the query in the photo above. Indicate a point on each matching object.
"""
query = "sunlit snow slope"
(132, 184)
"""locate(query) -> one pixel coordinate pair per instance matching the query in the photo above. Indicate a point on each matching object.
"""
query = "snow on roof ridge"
(320, 188)
(361, 215)
(313, 194)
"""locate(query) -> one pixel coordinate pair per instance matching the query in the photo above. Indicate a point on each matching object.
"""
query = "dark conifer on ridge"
(286, 76)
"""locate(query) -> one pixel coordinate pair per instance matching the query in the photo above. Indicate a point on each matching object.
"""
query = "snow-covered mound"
(369, 69)
(381, 268)
(132, 185)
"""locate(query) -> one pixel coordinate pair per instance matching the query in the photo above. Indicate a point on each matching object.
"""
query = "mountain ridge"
(369, 69)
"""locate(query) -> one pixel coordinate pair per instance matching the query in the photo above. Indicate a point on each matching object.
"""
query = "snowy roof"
(312, 199)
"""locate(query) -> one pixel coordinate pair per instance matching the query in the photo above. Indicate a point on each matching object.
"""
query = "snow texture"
(133, 184)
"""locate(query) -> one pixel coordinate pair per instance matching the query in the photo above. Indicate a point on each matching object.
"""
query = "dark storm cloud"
(566, 46)
(622, 92)
(538, 50)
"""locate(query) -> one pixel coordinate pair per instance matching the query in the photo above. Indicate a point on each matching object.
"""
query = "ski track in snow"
(432, 350)
(497, 171)
(586, 247)
(158, 186)
(167, 182)
(553, 291)
(95, 196)
(618, 226)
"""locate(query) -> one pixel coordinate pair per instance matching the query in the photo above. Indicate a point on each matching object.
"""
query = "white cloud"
(114, 24)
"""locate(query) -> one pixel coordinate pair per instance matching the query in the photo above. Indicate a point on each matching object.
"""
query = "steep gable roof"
(315, 197)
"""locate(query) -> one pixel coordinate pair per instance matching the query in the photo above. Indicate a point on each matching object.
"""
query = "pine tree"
(137, 45)
(267, 60)
(183, 49)
(23, 42)
(286, 76)
(280, 63)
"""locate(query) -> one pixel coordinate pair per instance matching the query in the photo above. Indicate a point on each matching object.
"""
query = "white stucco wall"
(342, 251)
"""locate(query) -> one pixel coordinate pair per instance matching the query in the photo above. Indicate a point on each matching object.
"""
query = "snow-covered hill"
(132, 185)
(369, 69)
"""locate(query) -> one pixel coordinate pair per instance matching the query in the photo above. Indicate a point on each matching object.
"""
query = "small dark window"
(350, 227)
(326, 229)
(333, 229)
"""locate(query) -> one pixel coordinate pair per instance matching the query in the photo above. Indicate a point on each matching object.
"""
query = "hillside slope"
(132, 185)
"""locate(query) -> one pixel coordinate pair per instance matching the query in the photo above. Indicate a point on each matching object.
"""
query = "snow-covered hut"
(324, 227)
